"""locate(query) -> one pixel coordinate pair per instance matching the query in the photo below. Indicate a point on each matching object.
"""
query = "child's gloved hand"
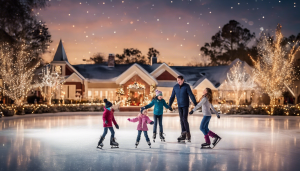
(171, 109)
(106, 122)
(117, 126)
(151, 123)
(191, 112)
(128, 119)
(218, 116)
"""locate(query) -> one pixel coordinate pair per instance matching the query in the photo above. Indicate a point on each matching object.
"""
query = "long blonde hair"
(208, 95)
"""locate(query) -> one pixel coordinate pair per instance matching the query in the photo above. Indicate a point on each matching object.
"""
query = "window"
(96, 94)
(58, 69)
(89, 93)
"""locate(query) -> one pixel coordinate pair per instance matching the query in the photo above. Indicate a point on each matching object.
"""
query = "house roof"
(192, 75)
(60, 54)
(102, 71)
(195, 75)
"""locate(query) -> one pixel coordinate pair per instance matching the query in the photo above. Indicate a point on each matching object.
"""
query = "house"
(134, 84)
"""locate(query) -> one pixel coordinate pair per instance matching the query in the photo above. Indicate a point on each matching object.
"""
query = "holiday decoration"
(273, 69)
(50, 82)
(16, 71)
(136, 85)
(239, 81)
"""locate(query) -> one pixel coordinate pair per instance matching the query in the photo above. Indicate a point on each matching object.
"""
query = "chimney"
(153, 60)
(111, 60)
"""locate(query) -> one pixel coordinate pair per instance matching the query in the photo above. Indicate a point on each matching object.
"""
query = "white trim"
(164, 64)
(82, 77)
(139, 67)
(208, 81)
(73, 74)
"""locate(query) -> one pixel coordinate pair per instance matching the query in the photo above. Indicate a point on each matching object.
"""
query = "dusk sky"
(176, 28)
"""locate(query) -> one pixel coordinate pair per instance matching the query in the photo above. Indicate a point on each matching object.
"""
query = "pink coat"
(109, 117)
(143, 121)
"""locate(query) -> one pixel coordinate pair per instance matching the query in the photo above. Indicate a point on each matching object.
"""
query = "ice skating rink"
(61, 143)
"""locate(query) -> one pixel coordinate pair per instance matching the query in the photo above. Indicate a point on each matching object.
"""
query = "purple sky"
(177, 28)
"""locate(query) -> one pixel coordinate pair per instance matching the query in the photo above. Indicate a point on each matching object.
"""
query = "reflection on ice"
(69, 143)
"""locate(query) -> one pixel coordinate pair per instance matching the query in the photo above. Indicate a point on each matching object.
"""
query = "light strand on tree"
(273, 70)
(16, 72)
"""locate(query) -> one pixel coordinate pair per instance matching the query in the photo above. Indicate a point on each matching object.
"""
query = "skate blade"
(217, 143)
(181, 141)
(206, 147)
(114, 146)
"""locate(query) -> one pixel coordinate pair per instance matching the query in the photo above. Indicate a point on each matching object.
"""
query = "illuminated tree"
(273, 70)
(16, 71)
(239, 81)
(49, 83)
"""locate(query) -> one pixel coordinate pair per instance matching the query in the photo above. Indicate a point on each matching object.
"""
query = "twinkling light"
(239, 81)
(49, 82)
(273, 69)
(16, 71)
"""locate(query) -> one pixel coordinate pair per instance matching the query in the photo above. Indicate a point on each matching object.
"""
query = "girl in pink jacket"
(143, 120)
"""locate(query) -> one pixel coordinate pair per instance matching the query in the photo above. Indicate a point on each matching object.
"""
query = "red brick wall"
(166, 76)
(138, 79)
(69, 71)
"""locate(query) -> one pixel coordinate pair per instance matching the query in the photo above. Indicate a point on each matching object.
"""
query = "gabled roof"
(103, 72)
(195, 75)
(164, 64)
(60, 54)
(140, 70)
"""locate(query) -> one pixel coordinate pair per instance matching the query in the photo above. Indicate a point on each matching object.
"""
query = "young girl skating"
(108, 118)
(143, 120)
(159, 104)
(206, 104)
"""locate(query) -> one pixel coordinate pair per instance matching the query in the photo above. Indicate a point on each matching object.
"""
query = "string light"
(16, 71)
(239, 81)
(273, 70)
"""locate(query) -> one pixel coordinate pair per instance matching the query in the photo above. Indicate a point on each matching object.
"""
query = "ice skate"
(217, 139)
(113, 143)
(162, 138)
(149, 143)
(154, 137)
(136, 144)
(100, 143)
(205, 146)
(188, 137)
(207, 143)
(182, 137)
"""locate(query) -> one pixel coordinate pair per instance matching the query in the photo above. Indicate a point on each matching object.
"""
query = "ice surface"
(69, 143)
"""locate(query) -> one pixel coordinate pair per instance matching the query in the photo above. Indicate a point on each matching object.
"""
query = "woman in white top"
(206, 104)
